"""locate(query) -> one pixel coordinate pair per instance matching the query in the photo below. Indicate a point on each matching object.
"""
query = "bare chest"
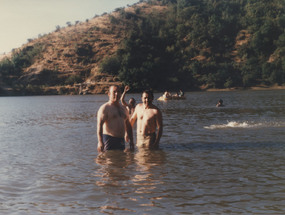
(116, 113)
(146, 115)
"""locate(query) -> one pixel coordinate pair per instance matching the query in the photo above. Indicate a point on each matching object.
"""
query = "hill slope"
(167, 44)
(68, 60)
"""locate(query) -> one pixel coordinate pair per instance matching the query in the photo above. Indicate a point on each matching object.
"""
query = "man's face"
(114, 94)
(146, 99)
(132, 102)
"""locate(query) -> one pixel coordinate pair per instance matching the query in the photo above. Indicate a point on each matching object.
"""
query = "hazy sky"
(21, 20)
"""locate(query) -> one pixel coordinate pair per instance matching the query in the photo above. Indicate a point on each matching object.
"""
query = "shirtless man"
(132, 102)
(149, 122)
(112, 123)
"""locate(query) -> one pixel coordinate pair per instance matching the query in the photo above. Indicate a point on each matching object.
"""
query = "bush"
(73, 79)
(110, 65)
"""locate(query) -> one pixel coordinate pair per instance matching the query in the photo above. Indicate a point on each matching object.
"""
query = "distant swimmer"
(149, 122)
(180, 93)
(167, 95)
(132, 102)
(220, 103)
(112, 123)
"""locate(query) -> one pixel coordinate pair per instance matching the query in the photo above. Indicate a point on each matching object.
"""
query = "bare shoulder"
(154, 107)
(139, 106)
(104, 107)
(125, 110)
(157, 113)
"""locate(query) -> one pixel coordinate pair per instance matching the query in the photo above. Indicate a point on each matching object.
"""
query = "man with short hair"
(112, 123)
(149, 122)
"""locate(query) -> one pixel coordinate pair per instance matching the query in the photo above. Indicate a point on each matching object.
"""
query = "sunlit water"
(211, 161)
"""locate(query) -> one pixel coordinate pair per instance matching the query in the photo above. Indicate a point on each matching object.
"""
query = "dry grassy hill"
(78, 50)
(164, 47)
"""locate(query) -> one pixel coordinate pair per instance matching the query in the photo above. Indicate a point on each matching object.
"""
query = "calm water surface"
(212, 160)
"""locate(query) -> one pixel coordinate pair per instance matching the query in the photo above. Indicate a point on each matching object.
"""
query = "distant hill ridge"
(76, 51)
(154, 44)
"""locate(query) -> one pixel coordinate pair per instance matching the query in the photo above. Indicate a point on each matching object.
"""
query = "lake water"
(211, 160)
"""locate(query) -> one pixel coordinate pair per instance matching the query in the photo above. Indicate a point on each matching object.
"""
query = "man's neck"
(116, 103)
(146, 106)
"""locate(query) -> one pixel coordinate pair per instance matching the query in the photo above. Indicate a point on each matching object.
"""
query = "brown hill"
(76, 52)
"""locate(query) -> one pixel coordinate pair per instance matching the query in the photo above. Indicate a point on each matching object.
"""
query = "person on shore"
(220, 103)
(149, 122)
(132, 102)
(112, 123)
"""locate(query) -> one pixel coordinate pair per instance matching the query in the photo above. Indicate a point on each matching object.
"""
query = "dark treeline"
(11, 69)
(215, 43)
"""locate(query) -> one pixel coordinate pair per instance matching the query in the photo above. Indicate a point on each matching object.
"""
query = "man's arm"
(159, 126)
(134, 116)
(123, 96)
(129, 131)
(100, 122)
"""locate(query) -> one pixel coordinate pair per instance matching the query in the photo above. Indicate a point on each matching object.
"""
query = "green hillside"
(167, 44)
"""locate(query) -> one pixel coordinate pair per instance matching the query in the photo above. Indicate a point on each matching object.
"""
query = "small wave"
(234, 124)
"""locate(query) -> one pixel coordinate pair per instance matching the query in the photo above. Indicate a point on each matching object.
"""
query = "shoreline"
(247, 88)
(67, 90)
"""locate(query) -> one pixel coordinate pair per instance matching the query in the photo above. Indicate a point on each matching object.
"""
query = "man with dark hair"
(149, 122)
(112, 123)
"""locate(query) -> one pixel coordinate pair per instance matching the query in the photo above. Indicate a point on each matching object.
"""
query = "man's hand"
(100, 147)
(127, 88)
(127, 139)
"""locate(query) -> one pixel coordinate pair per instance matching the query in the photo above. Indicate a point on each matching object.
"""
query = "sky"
(21, 20)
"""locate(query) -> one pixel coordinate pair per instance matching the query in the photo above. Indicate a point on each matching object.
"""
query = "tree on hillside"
(177, 43)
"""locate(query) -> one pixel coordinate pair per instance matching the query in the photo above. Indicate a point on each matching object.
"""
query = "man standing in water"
(112, 123)
(149, 122)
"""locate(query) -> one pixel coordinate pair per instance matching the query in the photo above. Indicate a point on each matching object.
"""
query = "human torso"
(115, 120)
(146, 120)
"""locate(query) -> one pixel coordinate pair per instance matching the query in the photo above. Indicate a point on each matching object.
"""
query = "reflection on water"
(131, 176)
(112, 168)
(212, 160)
